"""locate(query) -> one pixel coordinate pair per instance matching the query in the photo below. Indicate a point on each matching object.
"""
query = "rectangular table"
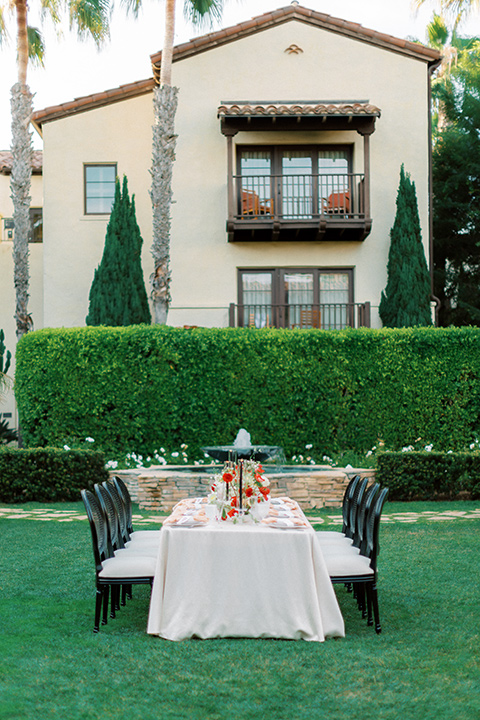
(243, 580)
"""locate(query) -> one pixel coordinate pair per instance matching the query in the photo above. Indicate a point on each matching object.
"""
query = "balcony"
(328, 207)
(331, 316)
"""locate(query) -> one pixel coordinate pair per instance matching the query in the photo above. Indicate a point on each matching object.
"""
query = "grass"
(424, 665)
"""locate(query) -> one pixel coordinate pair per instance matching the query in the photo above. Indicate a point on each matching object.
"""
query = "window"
(36, 225)
(296, 183)
(296, 298)
(99, 188)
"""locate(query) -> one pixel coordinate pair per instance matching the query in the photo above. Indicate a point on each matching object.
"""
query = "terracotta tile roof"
(310, 17)
(297, 109)
(226, 35)
(95, 100)
(6, 161)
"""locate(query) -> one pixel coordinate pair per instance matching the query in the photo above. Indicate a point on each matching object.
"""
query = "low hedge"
(429, 475)
(139, 388)
(48, 474)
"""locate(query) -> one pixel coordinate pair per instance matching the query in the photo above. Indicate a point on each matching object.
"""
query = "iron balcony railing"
(328, 316)
(298, 197)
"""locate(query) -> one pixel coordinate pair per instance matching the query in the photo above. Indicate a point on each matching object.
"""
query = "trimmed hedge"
(48, 474)
(429, 475)
(142, 387)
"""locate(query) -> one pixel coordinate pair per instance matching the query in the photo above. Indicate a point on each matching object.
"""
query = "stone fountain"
(243, 449)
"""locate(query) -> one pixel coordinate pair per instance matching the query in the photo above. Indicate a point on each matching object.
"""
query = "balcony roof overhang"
(251, 116)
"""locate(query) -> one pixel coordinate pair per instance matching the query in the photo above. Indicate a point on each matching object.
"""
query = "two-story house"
(292, 128)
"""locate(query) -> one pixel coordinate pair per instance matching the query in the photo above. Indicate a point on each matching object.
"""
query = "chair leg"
(369, 604)
(123, 601)
(98, 608)
(106, 590)
(113, 602)
(378, 627)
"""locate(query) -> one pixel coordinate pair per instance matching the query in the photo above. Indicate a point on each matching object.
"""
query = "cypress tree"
(405, 302)
(118, 295)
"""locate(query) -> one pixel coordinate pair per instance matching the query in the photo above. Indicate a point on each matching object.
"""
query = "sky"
(73, 68)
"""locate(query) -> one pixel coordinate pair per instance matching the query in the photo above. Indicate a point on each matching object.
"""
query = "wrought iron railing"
(298, 197)
(328, 316)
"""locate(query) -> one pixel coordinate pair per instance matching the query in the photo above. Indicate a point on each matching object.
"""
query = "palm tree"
(457, 9)
(87, 17)
(163, 152)
(454, 50)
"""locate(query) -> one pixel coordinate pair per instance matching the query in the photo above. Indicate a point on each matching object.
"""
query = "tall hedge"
(140, 388)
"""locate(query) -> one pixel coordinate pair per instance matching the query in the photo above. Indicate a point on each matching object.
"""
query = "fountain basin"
(259, 453)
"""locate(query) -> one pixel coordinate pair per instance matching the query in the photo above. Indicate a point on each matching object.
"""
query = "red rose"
(234, 501)
(249, 492)
(232, 512)
(227, 477)
(265, 491)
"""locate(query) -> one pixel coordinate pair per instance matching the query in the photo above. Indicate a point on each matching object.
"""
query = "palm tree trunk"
(163, 156)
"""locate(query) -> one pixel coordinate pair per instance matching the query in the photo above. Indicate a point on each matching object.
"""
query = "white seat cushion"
(347, 565)
(151, 535)
(128, 566)
(138, 550)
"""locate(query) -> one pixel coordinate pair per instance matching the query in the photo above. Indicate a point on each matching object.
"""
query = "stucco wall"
(204, 266)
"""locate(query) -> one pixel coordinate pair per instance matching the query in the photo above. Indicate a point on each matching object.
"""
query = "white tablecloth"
(226, 580)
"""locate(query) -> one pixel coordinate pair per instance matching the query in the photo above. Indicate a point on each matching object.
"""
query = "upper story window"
(99, 188)
(295, 183)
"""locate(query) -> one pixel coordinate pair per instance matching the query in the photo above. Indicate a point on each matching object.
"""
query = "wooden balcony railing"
(328, 316)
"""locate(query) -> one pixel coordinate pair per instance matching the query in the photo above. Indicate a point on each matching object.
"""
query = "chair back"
(120, 509)
(347, 499)
(363, 511)
(98, 528)
(122, 489)
(353, 507)
(371, 544)
(110, 512)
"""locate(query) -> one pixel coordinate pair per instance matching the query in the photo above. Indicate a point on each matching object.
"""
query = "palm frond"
(36, 46)
(132, 7)
(90, 18)
(51, 9)
(203, 12)
(437, 32)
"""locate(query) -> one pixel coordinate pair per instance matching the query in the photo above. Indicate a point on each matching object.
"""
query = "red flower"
(265, 491)
(232, 512)
(227, 477)
(234, 501)
(249, 492)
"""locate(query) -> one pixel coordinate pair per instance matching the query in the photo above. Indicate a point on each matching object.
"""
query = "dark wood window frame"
(278, 313)
(86, 166)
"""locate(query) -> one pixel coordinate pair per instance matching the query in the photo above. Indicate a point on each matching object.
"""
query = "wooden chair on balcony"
(338, 203)
(253, 206)
(250, 203)
(310, 318)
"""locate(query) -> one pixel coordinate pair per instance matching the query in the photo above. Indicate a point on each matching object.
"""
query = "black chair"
(131, 535)
(359, 566)
(350, 494)
(112, 571)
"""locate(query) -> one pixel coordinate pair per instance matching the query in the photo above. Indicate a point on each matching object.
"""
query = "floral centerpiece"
(240, 489)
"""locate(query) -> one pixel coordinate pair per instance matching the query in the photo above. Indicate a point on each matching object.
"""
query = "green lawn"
(424, 665)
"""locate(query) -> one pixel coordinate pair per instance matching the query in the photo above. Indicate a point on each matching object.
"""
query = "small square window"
(99, 188)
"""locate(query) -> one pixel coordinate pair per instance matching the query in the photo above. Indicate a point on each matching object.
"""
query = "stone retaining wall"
(159, 488)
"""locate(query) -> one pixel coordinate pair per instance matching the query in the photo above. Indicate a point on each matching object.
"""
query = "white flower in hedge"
(183, 446)
(429, 448)
(368, 453)
(174, 454)
(65, 447)
(408, 448)
(309, 446)
(111, 465)
(89, 439)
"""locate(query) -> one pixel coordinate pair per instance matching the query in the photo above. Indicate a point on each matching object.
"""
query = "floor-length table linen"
(241, 580)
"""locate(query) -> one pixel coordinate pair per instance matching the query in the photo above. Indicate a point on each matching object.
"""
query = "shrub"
(48, 474)
(429, 475)
(142, 387)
